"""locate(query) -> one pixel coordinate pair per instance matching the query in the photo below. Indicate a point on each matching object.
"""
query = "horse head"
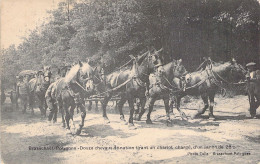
(46, 74)
(237, 71)
(178, 70)
(88, 76)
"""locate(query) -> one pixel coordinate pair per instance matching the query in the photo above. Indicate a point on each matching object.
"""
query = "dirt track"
(233, 137)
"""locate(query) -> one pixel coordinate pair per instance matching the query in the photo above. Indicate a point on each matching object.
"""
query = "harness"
(211, 76)
(135, 79)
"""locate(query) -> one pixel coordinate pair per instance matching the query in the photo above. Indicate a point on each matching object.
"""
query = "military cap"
(250, 64)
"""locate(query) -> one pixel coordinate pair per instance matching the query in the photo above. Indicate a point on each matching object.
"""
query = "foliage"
(114, 29)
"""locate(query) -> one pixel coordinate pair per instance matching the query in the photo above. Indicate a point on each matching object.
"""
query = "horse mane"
(72, 73)
(86, 68)
(141, 58)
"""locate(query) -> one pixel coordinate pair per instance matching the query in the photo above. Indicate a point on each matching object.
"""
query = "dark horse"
(129, 84)
(253, 89)
(206, 83)
(38, 87)
(161, 85)
(69, 92)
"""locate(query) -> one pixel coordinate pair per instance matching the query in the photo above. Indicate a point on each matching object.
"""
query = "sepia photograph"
(130, 81)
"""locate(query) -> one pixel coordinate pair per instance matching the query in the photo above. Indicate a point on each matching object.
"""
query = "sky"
(18, 17)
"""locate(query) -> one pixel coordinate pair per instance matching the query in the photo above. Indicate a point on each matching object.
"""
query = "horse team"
(147, 78)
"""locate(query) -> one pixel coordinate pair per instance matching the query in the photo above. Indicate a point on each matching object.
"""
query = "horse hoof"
(124, 122)
(195, 116)
(139, 118)
(184, 117)
(131, 126)
(169, 123)
(149, 121)
(106, 121)
(78, 131)
(212, 118)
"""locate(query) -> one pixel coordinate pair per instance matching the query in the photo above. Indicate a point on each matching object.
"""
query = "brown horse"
(129, 83)
(253, 89)
(38, 87)
(160, 86)
(206, 83)
(69, 92)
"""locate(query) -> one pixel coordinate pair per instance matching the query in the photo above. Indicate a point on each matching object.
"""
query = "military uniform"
(23, 92)
(251, 74)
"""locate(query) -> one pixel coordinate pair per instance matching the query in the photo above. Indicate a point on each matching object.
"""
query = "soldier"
(251, 74)
(51, 102)
(23, 91)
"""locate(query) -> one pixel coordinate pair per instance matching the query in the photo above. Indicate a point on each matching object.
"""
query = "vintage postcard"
(130, 81)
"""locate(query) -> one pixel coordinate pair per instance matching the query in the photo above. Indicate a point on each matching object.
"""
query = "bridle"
(215, 75)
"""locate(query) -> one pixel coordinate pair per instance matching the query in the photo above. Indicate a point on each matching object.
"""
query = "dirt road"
(232, 138)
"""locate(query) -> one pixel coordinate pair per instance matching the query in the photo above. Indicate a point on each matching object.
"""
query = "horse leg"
(89, 105)
(182, 114)
(131, 120)
(55, 113)
(206, 105)
(211, 105)
(83, 115)
(44, 107)
(149, 104)
(143, 109)
(167, 107)
(142, 104)
(171, 103)
(31, 102)
(120, 108)
(252, 104)
(23, 99)
(71, 113)
(67, 115)
(61, 109)
(104, 106)
(41, 105)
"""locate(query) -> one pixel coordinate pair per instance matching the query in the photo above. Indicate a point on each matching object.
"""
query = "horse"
(253, 90)
(129, 83)
(206, 82)
(160, 87)
(64, 70)
(68, 93)
(38, 87)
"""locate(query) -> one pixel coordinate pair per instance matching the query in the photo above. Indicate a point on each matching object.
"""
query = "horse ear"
(80, 64)
(87, 60)
(132, 57)
(233, 60)
(180, 60)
